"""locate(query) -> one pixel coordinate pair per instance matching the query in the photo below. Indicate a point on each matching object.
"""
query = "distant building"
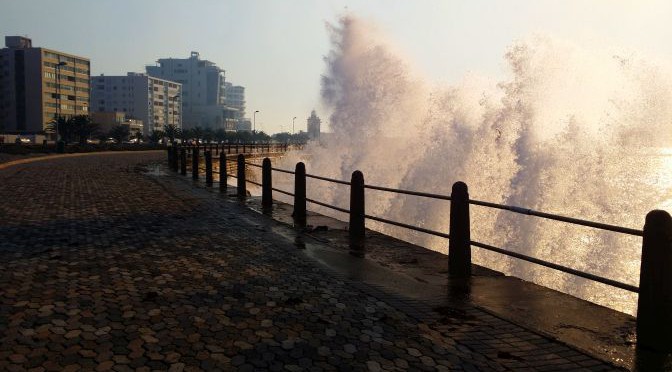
(108, 120)
(34, 81)
(314, 126)
(235, 98)
(244, 125)
(203, 89)
(156, 102)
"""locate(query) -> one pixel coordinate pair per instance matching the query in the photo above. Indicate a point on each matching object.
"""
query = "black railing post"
(194, 163)
(183, 161)
(176, 158)
(357, 210)
(654, 310)
(299, 213)
(242, 185)
(208, 168)
(459, 246)
(223, 173)
(267, 184)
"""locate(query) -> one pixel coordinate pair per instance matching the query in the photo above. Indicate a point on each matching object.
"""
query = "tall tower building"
(314, 126)
(36, 84)
(157, 102)
(203, 89)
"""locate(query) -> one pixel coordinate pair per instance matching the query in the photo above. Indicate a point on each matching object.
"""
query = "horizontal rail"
(254, 183)
(613, 283)
(328, 205)
(283, 170)
(519, 210)
(408, 192)
(213, 171)
(575, 221)
(327, 179)
(282, 191)
(407, 226)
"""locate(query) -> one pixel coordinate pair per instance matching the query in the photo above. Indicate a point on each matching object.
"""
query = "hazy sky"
(275, 48)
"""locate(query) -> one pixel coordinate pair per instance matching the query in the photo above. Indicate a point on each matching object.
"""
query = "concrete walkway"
(106, 267)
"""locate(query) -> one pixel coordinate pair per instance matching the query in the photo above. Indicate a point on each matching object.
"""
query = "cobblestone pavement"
(103, 267)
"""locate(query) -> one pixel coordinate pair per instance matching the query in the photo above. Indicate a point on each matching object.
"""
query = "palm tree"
(63, 126)
(186, 135)
(137, 135)
(197, 133)
(208, 135)
(156, 136)
(220, 135)
(172, 131)
(82, 127)
(120, 133)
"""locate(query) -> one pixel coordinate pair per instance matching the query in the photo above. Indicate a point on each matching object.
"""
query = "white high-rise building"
(157, 102)
(203, 90)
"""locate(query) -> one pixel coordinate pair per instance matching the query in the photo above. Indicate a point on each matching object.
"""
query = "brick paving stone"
(109, 264)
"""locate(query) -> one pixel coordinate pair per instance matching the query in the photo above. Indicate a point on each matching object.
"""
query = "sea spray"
(570, 131)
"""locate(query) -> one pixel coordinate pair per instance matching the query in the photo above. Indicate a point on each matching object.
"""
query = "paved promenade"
(105, 266)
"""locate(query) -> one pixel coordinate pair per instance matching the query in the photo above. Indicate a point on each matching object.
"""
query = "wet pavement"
(106, 266)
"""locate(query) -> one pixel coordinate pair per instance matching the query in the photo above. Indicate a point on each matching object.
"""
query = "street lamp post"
(254, 121)
(293, 124)
(58, 97)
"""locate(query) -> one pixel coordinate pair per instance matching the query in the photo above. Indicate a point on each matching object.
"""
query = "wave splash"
(570, 131)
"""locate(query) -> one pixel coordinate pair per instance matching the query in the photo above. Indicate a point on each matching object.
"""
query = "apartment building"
(203, 89)
(37, 84)
(156, 102)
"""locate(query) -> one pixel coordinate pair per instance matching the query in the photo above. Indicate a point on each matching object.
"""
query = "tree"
(63, 126)
(282, 137)
(156, 136)
(186, 135)
(301, 137)
(261, 136)
(172, 131)
(197, 134)
(82, 127)
(120, 133)
(208, 135)
(137, 135)
(220, 135)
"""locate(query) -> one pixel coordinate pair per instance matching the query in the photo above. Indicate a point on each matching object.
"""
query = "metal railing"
(655, 290)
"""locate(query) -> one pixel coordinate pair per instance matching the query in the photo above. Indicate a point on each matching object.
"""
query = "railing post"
(170, 157)
(242, 182)
(299, 213)
(223, 173)
(357, 210)
(208, 168)
(267, 184)
(459, 246)
(194, 163)
(654, 310)
(176, 158)
(183, 161)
